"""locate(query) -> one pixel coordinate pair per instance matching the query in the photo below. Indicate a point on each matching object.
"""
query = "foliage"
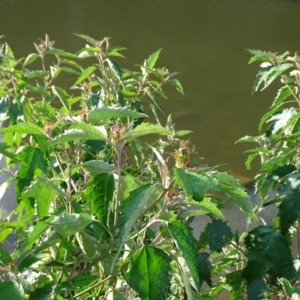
(105, 213)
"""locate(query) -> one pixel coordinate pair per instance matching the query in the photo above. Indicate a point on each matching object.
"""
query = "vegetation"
(104, 213)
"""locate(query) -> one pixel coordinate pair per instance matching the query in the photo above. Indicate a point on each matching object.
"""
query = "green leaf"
(267, 248)
(84, 280)
(154, 99)
(289, 209)
(115, 68)
(96, 167)
(235, 280)
(145, 129)
(186, 242)
(86, 243)
(288, 289)
(62, 96)
(34, 74)
(261, 56)
(206, 206)
(43, 194)
(26, 128)
(100, 193)
(219, 234)
(148, 273)
(205, 268)
(66, 225)
(11, 290)
(87, 132)
(195, 184)
(282, 94)
(106, 113)
(114, 294)
(43, 291)
(5, 258)
(30, 59)
(257, 290)
(61, 53)
(132, 207)
(176, 83)
(85, 74)
(150, 62)
(232, 188)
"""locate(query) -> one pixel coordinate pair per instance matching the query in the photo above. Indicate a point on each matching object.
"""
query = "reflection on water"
(204, 39)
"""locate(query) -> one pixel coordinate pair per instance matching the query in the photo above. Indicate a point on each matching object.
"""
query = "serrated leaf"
(219, 234)
(96, 167)
(181, 133)
(26, 128)
(61, 53)
(106, 113)
(66, 225)
(11, 290)
(145, 129)
(154, 99)
(34, 74)
(30, 59)
(247, 138)
(267, 248)
(176, 83)
(115, 68)
(195, 184)
(186, 242)
(132, 207)
(150, 62)
(282, 94)
(85, 74)
(148, 273)
(257, 290)
(261, 56)
(205, 207)
(43, 195)
(87, 132)
(232, 188)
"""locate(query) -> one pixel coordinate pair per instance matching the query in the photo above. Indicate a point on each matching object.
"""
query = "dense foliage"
(104, 213)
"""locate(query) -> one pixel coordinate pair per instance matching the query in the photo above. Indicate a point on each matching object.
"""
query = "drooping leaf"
(145, 129)
(131, 207)
(257, 290)
(195, 184)
(115, 68)
(148, 273)
(219, 234)
(11, 290)
(26, 128)
(150, 62)
(186, 242)
(62, 96)
(106, 113)
(85, 74)
(96, 167)
(176, 83)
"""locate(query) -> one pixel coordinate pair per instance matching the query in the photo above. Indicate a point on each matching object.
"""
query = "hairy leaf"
(219, 234)
(267, 248)
(195, 184)
(145, 129)
(105, 113)
(148, 273)
(26, 128)
(132, 207)
(186, 242)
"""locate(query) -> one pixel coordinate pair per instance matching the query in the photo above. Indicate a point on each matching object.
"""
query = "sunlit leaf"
(61, 53)
(96, 167)
(105, 113)
(85, 74)
(11, 290)
(30, 59)
(26, 128)
(148, 273)
(176, 83)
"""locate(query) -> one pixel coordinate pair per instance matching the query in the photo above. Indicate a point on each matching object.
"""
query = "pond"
(203, 39)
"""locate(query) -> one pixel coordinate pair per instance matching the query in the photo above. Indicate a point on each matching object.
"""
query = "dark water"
(203, 39)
